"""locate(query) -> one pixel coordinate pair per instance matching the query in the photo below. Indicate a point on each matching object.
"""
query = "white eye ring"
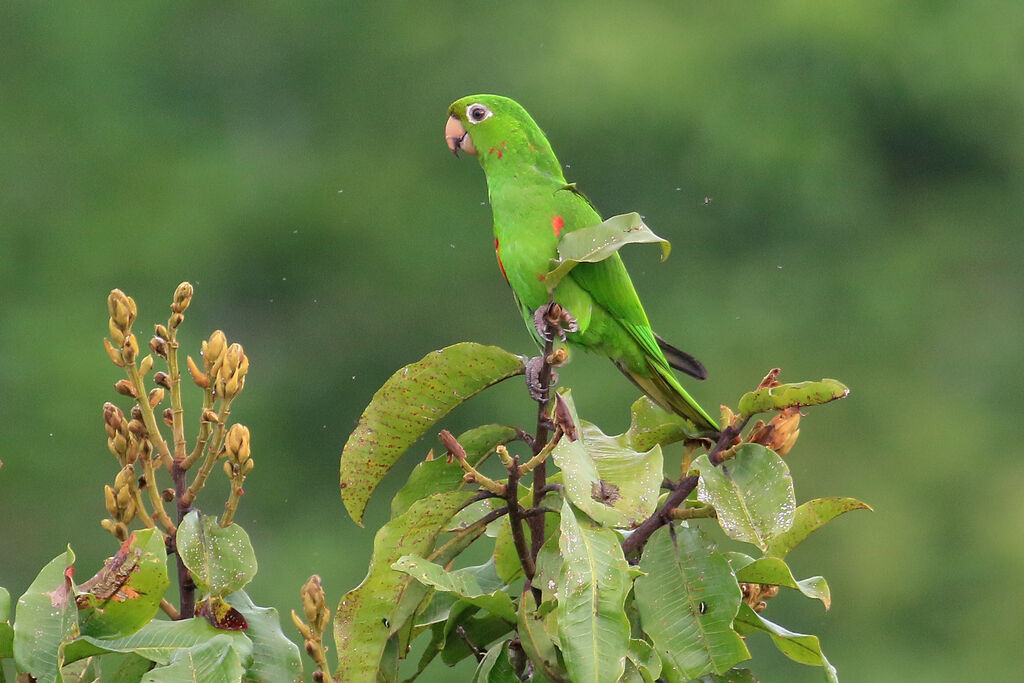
(476, 112)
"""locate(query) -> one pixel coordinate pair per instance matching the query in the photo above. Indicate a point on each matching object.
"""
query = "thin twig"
(678, 493)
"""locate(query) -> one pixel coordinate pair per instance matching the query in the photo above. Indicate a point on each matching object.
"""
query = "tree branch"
(678, 493)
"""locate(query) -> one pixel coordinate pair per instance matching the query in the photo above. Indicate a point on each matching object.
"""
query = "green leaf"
(46, 619)
(159, 640)
(411, 401)
(797, 646)
(786, 395)
(495, 667)
(479, 629)
(125, 594)
(220, 559)
(650, 425)
(434, 476)
(362, 624)
(752, 494)
(592, 624)
(537, 642)
(549, 567)
(615, 485)
(275, 658)
(117, 667)
(642, 662)
(686, 602)
(598, 242)
(810, 517)
(6, 630)
(730, 676)
(212, 661)
(464, 583)
(773, 570)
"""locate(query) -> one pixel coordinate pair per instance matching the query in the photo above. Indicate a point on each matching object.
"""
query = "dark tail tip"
(682, 361)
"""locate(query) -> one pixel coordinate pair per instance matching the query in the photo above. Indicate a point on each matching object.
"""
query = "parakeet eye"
(476, 113)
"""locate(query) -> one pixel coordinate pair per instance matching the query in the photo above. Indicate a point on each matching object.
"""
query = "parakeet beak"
(457, 137)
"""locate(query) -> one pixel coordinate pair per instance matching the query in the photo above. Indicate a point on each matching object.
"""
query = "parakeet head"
(497, 128)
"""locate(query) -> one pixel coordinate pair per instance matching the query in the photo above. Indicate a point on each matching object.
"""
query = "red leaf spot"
(557, 223)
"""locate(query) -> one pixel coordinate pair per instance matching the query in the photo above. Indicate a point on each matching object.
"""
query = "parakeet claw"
(552, 319)
(533, 368)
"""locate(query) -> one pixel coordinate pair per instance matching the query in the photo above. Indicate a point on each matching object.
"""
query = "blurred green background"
(865, 165)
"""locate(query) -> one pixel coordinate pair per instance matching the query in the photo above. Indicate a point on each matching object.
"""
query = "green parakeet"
(533, 208)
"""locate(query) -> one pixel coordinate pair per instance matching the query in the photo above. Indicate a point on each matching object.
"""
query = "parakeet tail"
(665, 390)
(681, 360)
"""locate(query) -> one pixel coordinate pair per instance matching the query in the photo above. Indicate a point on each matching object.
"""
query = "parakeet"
(533, 208)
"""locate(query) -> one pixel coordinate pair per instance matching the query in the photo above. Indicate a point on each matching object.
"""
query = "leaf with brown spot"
(125, 593)
(412, 400)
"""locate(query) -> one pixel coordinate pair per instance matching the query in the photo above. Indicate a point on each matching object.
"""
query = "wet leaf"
(212, 661)
(686, 602)
(786, 395)
(125, 594)
(465, 584)
(537, 641)
(614, 484)
(592, 625)
(363, 622)
(752, 494)
(47, 618)
(411, 401)
(275, 657)
(650, 425)
(773, 570)
(158, 640)
(220, 559)
(797, 646)
(598, 242)
(810, 517)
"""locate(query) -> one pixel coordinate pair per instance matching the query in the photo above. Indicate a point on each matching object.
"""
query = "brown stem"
(186, 587)
(540, 440)
(515, 518)
(678, 493)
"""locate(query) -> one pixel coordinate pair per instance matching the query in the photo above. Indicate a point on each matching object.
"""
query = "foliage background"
(864, 161)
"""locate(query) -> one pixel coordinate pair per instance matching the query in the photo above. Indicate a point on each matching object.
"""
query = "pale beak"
(457, 137)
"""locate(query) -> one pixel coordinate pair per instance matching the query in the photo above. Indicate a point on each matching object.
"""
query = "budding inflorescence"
(230, 372)
(238, 452)
(120, 499)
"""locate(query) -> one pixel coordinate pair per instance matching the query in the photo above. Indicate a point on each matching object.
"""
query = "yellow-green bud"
(210, 415)
(198, 376)
(138, 428)
(236, 444)
(130, 348)
(182, 297)
(122, 309)
(155, 396)
(213, 348)
(146, 365)
(114, 353)
(168, 417)
(231, 370)
(125, 388)
(314, 604)
(158, 345)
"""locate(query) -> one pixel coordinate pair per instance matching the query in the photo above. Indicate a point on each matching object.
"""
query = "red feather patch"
(500, 264)
(557, 223)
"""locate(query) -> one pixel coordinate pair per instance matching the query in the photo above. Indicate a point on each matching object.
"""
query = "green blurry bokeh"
(864, 163)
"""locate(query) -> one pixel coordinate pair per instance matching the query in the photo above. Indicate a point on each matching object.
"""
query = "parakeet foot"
(538, 392)
(553, 320)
